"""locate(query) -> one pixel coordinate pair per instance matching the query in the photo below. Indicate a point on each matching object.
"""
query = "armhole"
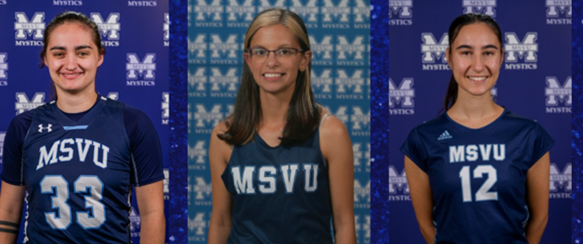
(320, 141)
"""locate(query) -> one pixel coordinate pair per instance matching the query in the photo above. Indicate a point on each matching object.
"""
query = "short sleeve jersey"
(78, 174)
(478, 176)
(281, 195)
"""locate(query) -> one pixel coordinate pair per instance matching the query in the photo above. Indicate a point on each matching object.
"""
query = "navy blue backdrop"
(135, 70)
(535, 82)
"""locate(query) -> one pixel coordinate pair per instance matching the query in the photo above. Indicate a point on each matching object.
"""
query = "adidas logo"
(445, 135)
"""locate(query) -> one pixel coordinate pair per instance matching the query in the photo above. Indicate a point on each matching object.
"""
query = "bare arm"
(421, 198)
(537, 197)
(221, 223)
(150, 200)
(11, 203)
(337, 149)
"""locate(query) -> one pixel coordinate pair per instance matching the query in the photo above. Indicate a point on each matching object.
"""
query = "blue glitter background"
(577, 121)
(178, 216)
(379, 119)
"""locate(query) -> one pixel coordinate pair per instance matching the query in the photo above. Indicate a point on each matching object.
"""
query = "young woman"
(78, 156)
(478, 173)
(281, 167)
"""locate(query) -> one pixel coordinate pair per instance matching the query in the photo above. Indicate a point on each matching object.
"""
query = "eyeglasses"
(259, 54)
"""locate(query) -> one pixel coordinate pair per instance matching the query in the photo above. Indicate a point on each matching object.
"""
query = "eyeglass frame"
(248, 51)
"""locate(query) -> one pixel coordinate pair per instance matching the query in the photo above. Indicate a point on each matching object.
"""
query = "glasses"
(260, 54)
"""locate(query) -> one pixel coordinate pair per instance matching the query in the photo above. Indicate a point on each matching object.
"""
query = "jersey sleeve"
(541, 143)
(145, 147)
(12, 150)
(413, 148)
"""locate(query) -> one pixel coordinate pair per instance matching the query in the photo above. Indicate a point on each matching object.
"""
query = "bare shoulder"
(334, 138)
(333, 127)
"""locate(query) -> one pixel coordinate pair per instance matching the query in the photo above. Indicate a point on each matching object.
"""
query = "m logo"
(322, 50)
(360, 120)
(3, 66)
(432, 50)
(202, 190)
(145, 69)
(166, 183)
(487, 7)
(110, 28)
(397, 182)
(556, 93)
(206, 11)
(198, 79)
(526, 50)
(221, 81)
(135, 222)
(361, 156)
(362, 227)
(322, 83)
(198, 224)
(267, 4)
(207, 119)
(240, 15)
(400, 9)
(25, 27)
(403, 94)
(561, 181)
(335, 13)
(224, 49)
(352, 51)
(361, 194)
(24, 104)
(165, 107)
(198, 152)
(308, 11)
(361, 12)
(166, 29)
(198, 47)
(2, 136)
(558, 8)
(354, 83)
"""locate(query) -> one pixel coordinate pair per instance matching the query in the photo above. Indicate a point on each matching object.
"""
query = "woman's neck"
(76, 103)
(475, 112)
(274, 109)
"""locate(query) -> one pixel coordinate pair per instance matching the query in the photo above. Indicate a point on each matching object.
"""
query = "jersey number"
(59, 188)
(484, 193)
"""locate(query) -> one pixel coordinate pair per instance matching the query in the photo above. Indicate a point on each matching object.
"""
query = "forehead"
(476, 33)
(273, 36)
(70, 33)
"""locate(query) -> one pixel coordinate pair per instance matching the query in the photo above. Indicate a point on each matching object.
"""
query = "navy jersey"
(478, 176)
(78, 174)
(280, 195)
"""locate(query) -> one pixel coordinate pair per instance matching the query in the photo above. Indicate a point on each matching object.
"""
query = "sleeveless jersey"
(77, 175)
(280, 195)
(478, 176)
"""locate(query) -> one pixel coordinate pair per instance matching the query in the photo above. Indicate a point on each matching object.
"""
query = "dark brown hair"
(454, 29)
(69, 17)
(303, 114)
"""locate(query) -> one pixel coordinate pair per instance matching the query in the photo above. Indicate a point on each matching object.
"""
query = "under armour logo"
(48, 128)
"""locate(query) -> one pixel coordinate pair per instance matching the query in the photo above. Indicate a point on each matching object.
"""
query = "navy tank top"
(280, 194)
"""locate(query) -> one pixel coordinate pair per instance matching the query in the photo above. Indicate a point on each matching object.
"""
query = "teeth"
(272, 75)
(477, 78)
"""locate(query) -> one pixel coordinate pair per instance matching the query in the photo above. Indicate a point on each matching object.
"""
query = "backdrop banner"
(534, 82)
(339, 39)
(135, 34)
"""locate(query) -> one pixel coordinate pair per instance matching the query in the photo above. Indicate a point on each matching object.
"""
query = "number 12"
(484, 193)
